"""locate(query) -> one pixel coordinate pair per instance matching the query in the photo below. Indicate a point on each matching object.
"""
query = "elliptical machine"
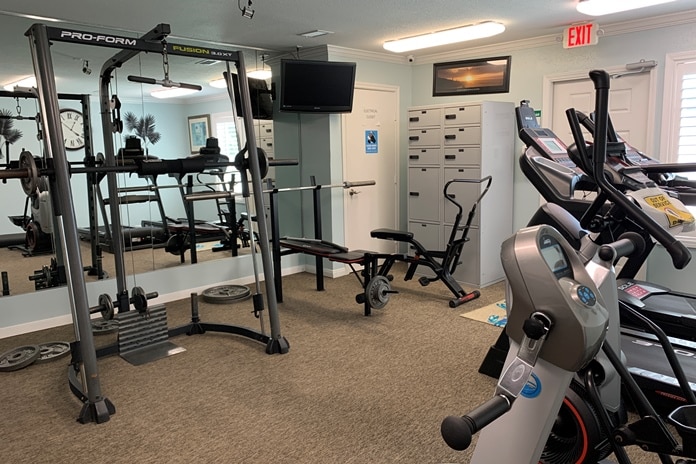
(557, 172)
(558, 313)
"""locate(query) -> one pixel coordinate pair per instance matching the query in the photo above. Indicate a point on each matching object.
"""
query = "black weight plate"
(101, 327)
(226, 294)
(52, 350)
(19, 358)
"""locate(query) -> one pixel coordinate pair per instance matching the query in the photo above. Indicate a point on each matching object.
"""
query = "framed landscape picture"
(471, 77)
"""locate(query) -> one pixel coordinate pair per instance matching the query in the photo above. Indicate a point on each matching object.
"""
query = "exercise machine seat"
(392, 234)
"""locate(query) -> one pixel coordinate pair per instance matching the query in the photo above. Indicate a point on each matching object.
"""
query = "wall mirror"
(163, 128)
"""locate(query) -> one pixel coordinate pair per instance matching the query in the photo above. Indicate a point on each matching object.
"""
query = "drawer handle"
(414, 119)
(414, 138)
(450, 137)
(414, 194)
(450, 116)
(413, 157)
(450, 157)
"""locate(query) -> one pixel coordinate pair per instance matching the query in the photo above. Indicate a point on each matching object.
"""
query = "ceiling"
(275, 27)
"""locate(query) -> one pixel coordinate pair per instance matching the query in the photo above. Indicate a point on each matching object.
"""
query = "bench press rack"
(376, 287)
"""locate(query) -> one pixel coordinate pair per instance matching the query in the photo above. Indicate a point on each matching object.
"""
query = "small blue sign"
(371, 141)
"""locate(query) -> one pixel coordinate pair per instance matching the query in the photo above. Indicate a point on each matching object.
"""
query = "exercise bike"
(560, 317)
(443, 263)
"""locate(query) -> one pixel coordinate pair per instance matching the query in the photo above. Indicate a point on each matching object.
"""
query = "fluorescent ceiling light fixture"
(172, 92)
(260, 74)
(218, 83)
(449, 36)
(605, 7)
(26, 82)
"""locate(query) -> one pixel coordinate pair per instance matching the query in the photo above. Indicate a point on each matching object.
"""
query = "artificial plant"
(8, 133)
(143, 127)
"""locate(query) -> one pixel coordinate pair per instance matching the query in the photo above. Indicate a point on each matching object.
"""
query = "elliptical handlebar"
(457, 431)
(679, 253)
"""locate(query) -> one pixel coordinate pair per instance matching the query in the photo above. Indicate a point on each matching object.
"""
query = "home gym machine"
(547, 163)
(96, 407)
(442, 263)
(560, 318)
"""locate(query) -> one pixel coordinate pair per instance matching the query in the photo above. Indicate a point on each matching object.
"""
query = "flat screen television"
(316, 86)
(260, 96)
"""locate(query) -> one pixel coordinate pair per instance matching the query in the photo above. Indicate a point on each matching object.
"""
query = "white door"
(370, 147)
(629, 106)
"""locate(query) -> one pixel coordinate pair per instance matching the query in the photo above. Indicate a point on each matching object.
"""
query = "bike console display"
(546, 276)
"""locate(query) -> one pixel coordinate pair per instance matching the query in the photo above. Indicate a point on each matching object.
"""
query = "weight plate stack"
(52, 350)
(19, 358)
(222, 294)
(101, 326)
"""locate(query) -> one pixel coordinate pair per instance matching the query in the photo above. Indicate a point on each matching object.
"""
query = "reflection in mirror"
(154, 214)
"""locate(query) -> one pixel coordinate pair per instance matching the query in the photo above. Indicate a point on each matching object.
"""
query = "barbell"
(138, 299)
(30, 169)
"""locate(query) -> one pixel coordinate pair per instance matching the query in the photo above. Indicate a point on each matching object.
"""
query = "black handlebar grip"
(282, 162)
(359, 183)
(679, 253)
(600, 78)
(627, 244)
(142, 80)
(457, 431)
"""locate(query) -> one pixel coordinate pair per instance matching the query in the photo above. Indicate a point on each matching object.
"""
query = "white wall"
(530, 64)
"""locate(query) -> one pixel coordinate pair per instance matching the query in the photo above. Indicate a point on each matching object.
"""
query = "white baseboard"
(58, 321)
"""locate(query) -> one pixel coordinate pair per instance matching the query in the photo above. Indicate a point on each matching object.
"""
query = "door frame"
(396, 90)
(552, 79)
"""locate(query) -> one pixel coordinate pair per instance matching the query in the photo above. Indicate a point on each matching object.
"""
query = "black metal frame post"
(96, 408)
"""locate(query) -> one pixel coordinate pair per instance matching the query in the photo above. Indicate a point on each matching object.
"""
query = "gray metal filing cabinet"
(468, 140)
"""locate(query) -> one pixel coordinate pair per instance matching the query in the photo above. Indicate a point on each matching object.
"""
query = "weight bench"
(375, 284)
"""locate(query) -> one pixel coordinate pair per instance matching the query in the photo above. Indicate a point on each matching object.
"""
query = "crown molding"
(493, 49)
(352, 53)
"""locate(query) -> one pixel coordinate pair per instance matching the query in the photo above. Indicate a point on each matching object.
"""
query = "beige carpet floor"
(352, 389)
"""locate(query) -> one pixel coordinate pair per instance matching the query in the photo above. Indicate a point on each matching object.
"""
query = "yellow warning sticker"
(675, 216)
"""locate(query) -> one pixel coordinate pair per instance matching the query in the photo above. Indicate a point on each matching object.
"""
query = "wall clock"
(72, 123)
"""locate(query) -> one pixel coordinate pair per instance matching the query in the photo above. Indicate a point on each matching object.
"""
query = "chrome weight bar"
(29, 171)
(138, 299)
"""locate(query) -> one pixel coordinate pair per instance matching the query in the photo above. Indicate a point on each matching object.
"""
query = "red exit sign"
(580, 35)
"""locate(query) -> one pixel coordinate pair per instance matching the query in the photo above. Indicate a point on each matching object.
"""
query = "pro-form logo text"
(87, 37)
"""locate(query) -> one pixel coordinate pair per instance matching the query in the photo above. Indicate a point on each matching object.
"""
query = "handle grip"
(626, 245)
(359, 183)
(282, 162)
(457, 431)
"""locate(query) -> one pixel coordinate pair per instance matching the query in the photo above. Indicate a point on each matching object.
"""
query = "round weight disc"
(107, 305)
(225, 294)
(101, 327)
(139, 299)
(30, 183)
(19, 358)
(377, 292)
(52, 350)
